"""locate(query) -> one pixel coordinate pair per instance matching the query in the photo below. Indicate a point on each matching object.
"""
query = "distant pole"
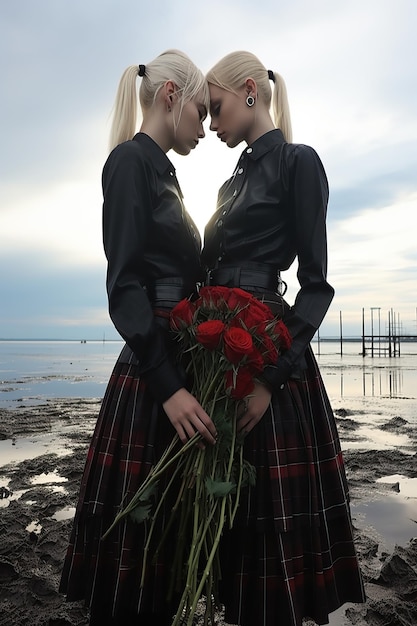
(373, 308)
(341, 333)
(318, 341)
(363, 332)
(389, 334)
(399, 335)
(379, 331)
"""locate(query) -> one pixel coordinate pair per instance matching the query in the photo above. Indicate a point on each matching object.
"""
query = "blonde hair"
(231, 72)
(170, 65)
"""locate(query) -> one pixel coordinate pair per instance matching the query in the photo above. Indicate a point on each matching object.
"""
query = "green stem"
(153, 520)
(159, 469)
(209, 563)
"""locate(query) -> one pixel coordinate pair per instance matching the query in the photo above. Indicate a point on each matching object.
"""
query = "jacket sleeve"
(128, 199)
(308, 189)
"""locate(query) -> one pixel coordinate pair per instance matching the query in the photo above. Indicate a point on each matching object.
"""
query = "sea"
(32, 371)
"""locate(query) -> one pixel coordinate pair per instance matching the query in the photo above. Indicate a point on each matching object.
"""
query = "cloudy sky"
(351, 76)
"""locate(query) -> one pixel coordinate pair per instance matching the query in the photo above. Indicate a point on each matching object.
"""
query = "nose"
(213, 125)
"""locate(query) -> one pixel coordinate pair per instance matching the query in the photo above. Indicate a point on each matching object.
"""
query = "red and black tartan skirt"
(290, 553)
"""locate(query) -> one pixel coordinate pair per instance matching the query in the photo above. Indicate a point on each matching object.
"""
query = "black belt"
(169, 290)
(247, 277)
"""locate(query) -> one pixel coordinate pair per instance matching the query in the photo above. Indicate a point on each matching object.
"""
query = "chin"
(182, 151)
(232, 142)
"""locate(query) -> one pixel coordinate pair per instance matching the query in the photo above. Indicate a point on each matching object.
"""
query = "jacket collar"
(156, 155)
(264, 144)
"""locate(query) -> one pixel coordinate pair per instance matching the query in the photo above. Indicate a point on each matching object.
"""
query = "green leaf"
(149, 492)
(143, 508)
(141, 513)
(249, 474)
(219, 489)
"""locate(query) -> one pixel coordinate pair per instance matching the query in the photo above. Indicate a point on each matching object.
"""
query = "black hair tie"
(271, 75)
(141, 70)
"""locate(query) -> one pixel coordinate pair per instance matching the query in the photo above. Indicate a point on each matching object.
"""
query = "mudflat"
(42, 454)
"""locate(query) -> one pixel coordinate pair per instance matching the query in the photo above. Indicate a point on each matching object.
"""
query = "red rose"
(250, 317)
(209, 333)
(269, 350)
(238, 298)
(283, 333)
(237, 344)
(182, 314)
(213, 296)
(239, 384)
(255, 361)
(254, 313)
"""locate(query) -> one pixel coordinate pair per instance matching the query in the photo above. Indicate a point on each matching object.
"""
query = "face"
(190, 128)
(231, 118)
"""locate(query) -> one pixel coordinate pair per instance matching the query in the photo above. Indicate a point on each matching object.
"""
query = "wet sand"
(42, 453)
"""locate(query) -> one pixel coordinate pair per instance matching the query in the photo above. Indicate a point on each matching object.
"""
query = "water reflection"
(385, 381)
(375, 382)
(355, 376)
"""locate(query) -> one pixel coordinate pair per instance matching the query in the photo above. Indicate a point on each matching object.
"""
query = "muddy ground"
(38, 496)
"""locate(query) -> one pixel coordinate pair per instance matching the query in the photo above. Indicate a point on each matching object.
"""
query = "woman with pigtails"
(290, 553)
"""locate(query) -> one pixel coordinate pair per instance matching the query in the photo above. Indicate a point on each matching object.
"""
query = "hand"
(188, 417)
(255, 406)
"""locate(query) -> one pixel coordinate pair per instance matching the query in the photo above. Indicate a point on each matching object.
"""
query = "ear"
(170, 91)
(251, 88)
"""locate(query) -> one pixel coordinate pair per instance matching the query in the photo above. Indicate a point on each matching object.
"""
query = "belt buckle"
(281, 287)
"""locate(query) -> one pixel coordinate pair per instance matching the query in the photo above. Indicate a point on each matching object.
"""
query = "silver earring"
(250, 101)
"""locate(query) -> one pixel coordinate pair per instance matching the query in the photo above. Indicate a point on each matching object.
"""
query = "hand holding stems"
(188, 417)
(254, 407)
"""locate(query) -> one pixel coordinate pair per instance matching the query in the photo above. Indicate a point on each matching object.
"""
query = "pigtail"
(280, 107)
(125, 108)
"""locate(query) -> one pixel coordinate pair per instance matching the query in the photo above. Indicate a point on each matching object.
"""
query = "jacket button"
(240, 170)
(219, 223)
(249, 150)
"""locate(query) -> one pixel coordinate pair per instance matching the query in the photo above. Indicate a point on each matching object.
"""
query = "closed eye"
(203, 114)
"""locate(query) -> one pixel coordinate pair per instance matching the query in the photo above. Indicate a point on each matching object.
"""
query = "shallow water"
(352, 375)
(31, 371)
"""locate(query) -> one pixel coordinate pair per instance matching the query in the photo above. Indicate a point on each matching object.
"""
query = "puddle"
(392, 520)
(66, 513)
(50, 477)
(51, 480)
(407, 486)
(17, 450)
(13, 495)
(34, 527)
(369, 438)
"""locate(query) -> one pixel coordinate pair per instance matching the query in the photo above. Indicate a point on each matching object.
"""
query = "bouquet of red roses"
(226, 337)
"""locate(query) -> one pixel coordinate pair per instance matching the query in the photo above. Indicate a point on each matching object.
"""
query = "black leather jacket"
(148, 236)
(271, 211)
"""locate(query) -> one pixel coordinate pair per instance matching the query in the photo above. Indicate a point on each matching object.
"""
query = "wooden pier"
(377, 343)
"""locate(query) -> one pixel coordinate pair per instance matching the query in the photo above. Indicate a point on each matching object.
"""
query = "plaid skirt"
(290, 553)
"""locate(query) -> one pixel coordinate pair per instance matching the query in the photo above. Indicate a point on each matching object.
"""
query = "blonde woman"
(153, 254)
(290, 553)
